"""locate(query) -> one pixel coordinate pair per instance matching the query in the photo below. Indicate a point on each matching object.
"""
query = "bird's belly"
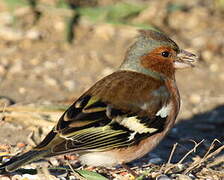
(122, 155)
(105, 159)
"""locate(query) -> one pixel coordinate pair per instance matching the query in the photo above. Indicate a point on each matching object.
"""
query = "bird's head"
(157, 55)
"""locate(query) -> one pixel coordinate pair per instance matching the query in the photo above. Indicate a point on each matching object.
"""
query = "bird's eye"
(165, 54)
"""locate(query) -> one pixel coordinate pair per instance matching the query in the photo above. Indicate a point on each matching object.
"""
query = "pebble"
(59, 26)
(156, 160)
(50, 81)
(214, 67)
(104, 31)
(22, 90)
(192, 176)
(183, 177)
(33, 34)
(195, 98)
(207, 55)
(163, 177)
(128, 32)
(69, 84)
(34, 61)
(10, 34)
(49, 65)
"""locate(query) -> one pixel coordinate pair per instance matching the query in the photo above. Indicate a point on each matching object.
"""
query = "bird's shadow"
(207, 126)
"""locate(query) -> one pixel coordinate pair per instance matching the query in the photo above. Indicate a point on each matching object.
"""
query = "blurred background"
(53, 50)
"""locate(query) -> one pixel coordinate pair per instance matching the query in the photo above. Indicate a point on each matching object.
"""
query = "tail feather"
(17, 161)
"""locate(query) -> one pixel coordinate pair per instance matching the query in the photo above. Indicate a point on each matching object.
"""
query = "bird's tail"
(17, 161)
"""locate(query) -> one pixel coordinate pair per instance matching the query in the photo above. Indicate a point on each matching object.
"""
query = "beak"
(185, 59)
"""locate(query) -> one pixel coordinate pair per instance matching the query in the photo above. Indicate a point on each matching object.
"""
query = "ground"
(40, 72)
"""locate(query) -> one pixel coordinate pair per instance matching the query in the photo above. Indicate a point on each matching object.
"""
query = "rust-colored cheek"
(155, 63)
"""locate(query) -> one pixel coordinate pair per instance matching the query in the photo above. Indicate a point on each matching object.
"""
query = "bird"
(125, 114)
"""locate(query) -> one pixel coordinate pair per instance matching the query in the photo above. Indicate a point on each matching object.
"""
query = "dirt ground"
(37, 66)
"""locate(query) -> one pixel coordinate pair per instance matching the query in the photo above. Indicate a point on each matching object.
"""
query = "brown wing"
(117, 111)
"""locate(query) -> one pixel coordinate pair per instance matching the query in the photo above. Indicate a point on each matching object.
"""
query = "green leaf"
(90, 175)
(16, 3)
(117, 13)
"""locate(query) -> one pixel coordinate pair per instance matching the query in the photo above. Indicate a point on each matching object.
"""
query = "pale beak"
(185, 59)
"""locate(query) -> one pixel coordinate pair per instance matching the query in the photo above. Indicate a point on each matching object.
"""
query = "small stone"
(70, 85)
(59, 26)
(9, 34)
(105, 31)
(34, 61)
(207, 55)
(195, 98)
(49, 65)
(214, 67)
(33, 34)
(156, 160)
(50, 81)
(22, 90)
(183, 177)
(192, 176)
(163, 177)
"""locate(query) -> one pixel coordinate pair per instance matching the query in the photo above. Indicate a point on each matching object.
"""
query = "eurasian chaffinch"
(125, 114)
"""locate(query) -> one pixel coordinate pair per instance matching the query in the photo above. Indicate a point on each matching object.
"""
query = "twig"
(218, 160)
(211, 147)
(197, 163)
(215, 152)
(76, 174)
(185, 156)
(170, 158)
(189, 152)
(172, 153)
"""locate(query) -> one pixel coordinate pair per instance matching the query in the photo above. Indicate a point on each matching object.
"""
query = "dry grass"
(200, 167)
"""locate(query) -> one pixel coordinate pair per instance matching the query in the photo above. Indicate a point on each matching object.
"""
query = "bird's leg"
(129, 170)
